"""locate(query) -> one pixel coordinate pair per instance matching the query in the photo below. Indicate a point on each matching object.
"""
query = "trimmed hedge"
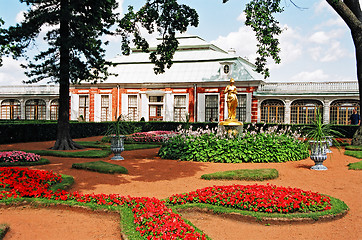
(35, 131)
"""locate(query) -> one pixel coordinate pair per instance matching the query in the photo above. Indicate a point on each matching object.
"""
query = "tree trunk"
(357, 39)
(350, 12)
(64, 141)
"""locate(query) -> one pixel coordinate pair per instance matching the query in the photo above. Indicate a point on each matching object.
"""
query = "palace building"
(193, 88)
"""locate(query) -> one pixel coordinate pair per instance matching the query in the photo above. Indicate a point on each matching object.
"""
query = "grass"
(100, 166)
(79, 154)
(354, 148)
(67, 182)
(356, 154)
(3, 230)
(42, 161)
(244, 174)
(355, 166)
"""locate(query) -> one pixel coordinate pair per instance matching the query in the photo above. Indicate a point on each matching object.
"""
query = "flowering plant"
(258, 198)
(18, 156)
(252, 145)
(151, 136)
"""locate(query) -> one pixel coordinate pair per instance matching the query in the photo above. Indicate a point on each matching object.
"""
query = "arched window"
(54, 108)
(272, 111)
(10, 109)
(304, 111)
(341, 110)
(35, 109)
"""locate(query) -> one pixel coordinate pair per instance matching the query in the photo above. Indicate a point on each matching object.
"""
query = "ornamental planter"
(318, 154)
(117, 146)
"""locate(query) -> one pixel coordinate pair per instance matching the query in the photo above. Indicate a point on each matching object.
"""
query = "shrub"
(207, 145)
(18, 156)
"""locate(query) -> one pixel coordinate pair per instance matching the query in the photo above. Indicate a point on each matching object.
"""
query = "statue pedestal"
(231, 126)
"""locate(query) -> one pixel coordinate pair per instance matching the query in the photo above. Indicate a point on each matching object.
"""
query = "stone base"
(319, 167)
(231, 126)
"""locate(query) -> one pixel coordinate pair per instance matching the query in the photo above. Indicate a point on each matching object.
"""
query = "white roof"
(194, 61)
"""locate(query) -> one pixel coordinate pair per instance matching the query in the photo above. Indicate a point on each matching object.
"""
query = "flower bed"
(257, 198)
(250, 146)
(153, 218)
(152, 136)
(18, 156)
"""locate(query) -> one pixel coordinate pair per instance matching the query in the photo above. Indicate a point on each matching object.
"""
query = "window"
(10, 109)
(54, 108)
(156, 108)
(105, 111)
(226, 69)
(35, 109)
(272, 111)
(132, 108)
(179, 108)
(211, 107)
(84, 107)
(304, 111)
(241, 108)
(341, 110)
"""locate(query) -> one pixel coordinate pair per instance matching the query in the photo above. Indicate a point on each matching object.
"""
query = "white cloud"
(20, 16)
(243, 41)
(11, 72)
(317, 75)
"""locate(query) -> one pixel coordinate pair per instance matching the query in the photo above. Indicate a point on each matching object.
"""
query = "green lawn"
(100, 166)
(244, 174)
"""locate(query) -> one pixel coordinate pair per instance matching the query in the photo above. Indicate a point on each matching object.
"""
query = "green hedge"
(31, 131)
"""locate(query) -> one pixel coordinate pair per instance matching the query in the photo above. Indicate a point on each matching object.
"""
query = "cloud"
(11, 72)
(20, 16)
(317, 75)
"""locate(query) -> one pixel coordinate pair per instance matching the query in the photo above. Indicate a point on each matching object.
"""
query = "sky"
(316, 44)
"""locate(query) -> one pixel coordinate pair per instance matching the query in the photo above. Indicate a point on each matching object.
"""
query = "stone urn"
(117, 146)
(329, 140)
(318, 154)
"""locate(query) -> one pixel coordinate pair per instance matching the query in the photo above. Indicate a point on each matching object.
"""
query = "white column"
(168, 106)
(97, 107)
(201, 107)
(144, 106)
(326, 108)
(74, 103)
(47, 109)
(248, 108)
(287, 111)
(22, 108)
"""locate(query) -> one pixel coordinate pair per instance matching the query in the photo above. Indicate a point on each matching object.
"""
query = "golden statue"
(231, 125)
(232, 99)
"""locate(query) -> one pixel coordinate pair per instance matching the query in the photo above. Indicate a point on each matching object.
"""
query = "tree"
(259, 16)
(75, 52)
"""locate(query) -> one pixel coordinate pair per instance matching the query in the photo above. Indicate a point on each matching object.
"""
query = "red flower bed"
(258, 198)
(154, 220)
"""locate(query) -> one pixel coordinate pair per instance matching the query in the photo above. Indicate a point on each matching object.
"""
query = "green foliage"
(100, 166)
(244, 174)
(207, 146)
(167, 17)
(356, 165)
(259, 16)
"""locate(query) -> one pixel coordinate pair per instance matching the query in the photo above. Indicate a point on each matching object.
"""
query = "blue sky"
(316, 44)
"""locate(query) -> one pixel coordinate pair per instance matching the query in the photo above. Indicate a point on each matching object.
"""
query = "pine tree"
(75, 52)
